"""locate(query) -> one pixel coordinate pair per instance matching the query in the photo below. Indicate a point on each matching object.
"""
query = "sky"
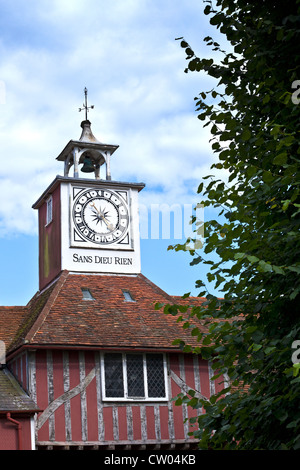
(126, 54)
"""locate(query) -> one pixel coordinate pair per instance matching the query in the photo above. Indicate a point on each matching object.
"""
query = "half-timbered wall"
(67, 387)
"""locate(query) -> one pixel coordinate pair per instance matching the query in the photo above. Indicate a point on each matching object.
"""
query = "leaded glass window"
(114, 375)
(155, 375)
(134, 376)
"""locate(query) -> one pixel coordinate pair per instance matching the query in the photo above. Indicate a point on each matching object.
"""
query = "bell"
(88, 166)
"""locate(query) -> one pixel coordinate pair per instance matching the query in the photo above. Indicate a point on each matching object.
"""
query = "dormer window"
(86, 294)
(49, 211)
(127, 296)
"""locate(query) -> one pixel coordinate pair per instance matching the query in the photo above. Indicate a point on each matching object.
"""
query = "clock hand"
(94, 207)
(97, 214)
(108, 224)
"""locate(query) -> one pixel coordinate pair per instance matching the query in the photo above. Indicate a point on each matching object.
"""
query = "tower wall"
(50, 240)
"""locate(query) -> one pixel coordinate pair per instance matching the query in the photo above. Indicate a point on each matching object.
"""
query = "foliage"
(254, 117)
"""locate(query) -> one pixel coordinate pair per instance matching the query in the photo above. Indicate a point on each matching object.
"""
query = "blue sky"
(125, 53)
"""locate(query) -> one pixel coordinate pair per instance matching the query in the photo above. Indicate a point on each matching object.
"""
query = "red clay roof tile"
(10, 320)
(60, 315)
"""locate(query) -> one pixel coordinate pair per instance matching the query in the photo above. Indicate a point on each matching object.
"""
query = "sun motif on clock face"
(101, 216)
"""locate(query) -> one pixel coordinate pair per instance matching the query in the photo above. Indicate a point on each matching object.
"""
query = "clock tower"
(88, 223)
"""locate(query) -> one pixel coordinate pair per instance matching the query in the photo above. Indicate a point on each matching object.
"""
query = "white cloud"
(125, 53)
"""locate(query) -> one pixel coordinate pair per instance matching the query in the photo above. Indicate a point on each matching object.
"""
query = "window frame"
(49, 210)
(125, 398)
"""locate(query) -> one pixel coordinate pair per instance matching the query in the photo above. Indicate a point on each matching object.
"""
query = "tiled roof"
(30, 315)
(10, 320)
(12, 397)
(60, 315)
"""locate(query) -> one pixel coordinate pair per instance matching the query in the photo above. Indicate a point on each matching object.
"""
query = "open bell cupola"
(88, 151)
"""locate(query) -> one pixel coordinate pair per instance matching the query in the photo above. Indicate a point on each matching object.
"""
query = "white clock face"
(101, 216)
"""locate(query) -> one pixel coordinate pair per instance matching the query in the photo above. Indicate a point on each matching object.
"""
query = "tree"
(254, 329)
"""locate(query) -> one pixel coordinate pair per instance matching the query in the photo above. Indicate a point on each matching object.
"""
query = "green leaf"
(158, 305)
(294, 294)
(286, 204)
(196, 260)
(207, 10)
(252, 259)
(296, 368)
(267, 177)
(186, 295)
(295, 268)
(280, 159)
(239, 255)
(270, 349)
(265, 267)
(200, 188)
(178, 401)
(251, 171)
(246, 134)
(195, 331)
(278, 269)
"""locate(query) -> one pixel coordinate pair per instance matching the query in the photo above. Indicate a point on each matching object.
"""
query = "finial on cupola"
(85, 106)
(88, 150)
(87, 135)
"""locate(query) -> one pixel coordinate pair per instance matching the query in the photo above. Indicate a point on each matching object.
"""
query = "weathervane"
(85, 106)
